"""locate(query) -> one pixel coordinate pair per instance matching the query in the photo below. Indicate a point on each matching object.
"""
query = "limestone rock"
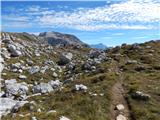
(42, 88)
(65, 58)
(13, 49)
(23, 77)
(16, 89)
(81, 87)
(121, 117)
(120, 107)
(8, 105)
(64, 118)
(34, 69)
(55, 84)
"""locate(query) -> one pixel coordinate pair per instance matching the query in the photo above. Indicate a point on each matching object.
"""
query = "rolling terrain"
(55, 76)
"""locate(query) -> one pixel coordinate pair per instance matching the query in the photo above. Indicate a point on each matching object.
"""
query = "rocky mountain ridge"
(55, 38)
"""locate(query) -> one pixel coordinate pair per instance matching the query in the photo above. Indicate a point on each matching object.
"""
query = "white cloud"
(33, 9)
(118, 34)
(132, 14)
(13, 17)
(125, 15)
(140, 37)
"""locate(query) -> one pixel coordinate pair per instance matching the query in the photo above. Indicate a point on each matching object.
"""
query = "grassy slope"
(146, 80)
(82, 106)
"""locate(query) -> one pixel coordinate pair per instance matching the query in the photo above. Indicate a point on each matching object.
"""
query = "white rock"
(37, 54)
(55, 84)
(1, 64)
(13, 49)
(43, 69)
(81, 87)
(55, 74)
(34, 69)
(51, 111)
(64, 118)
(39, 110)
(22, 77)
(65, 58)
(120, 107)
(34, 118)
(11, 81)
(16, 88)
(2, 93)
(8, 104)
(20, 70)
(121, 117)
(42, 88)
(101, 94)
(4, 74)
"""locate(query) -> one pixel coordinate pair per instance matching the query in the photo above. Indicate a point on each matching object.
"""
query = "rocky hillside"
(75, 82)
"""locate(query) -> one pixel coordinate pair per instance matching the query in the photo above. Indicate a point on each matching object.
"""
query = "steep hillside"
(74, 82)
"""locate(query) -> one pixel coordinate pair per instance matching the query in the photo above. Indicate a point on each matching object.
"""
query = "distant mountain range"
(98, 46)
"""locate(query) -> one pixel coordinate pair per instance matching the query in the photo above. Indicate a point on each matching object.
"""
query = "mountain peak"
(55, 38)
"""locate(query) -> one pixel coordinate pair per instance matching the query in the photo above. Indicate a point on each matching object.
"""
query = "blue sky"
(109, 22)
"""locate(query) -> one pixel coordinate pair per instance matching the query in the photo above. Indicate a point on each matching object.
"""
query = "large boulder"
(94, 53)
(141, 96)
(8, 105)
(42, 88)
(16, 66)
(55, 84)
(89, 65)
(6, 38)
(71, 66)
(16, 89)
(5, 54)
(11, 81)
(14, 51)
(65, 58)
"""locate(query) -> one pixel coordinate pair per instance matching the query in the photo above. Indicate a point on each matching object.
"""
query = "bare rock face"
(65, 58)
(55, 38)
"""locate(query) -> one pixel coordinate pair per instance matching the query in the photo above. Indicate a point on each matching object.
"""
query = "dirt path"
(118, 97)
